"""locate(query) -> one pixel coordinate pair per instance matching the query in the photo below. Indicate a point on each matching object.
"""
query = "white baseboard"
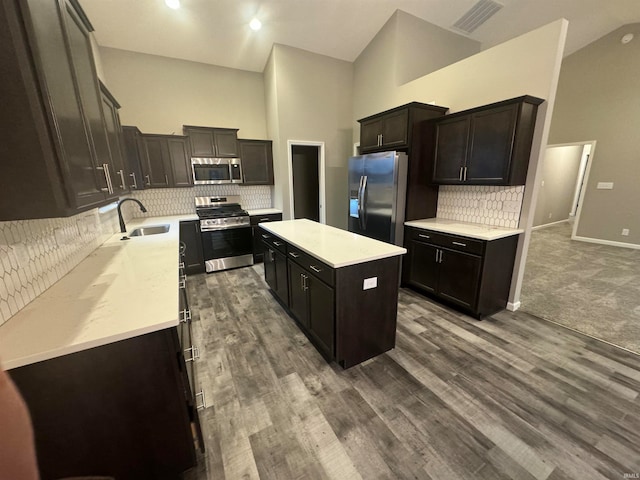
(606, 242)
(512, 307)
(545, 225)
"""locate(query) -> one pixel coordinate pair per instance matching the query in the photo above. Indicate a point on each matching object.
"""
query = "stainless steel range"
(227, 241)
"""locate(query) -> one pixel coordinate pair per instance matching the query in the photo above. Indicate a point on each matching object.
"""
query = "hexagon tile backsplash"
(176, 201)
(34, 254)
(487, 205)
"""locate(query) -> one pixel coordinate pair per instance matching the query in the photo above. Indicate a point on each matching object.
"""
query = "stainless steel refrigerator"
(377, 192)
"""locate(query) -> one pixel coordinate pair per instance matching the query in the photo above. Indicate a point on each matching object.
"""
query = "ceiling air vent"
(477, 15)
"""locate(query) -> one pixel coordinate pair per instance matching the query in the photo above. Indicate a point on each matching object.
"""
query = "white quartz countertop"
(471, 230)
(337, 248)
(263, 211)
(121, 290)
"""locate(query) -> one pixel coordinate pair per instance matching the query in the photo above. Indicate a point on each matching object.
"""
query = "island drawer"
(270, 217)
(273, 241)
(321, 270)
(454, 242)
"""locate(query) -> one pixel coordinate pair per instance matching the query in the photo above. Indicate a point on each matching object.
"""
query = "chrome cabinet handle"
(441, 251)
(264, 220)
(181, 265)
(423, 236)
(381, 140)
(108, 176)
(460, 175)
(465, 174)
(185, 315)
(294, 254)
(166, 179)
(200, 394)
(315, 269)
(264, 235)
(148, 179)
(459, 244)
(304, 282)
(277, 244)
(135, 183)
(195, 354)
(122, 183)
(182, 282)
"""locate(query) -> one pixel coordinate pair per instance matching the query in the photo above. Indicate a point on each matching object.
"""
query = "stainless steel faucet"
(123, 227)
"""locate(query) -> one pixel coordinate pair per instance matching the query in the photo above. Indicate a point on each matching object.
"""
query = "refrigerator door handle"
(363, 216)
(360, 202)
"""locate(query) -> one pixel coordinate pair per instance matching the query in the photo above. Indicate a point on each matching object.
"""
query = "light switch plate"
(370, 283)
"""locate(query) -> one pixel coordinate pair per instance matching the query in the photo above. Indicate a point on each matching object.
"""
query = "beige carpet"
(592, 288)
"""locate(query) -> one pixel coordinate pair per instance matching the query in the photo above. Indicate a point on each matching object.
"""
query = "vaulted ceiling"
(217, 31)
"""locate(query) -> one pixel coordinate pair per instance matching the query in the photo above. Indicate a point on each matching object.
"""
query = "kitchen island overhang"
(341, 288)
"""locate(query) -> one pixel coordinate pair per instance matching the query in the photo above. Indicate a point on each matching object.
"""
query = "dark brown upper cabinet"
(133, 153)
(212, 142)
(55, 145)
(408, 128)
(393, 129)
(257, 161)
(110, 107)
(488, 145)
(165, 161)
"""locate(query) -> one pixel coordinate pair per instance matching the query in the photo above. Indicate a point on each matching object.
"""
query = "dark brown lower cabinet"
(342, 320)
(116, 410)
(467, 273)
(191, 237)
(257, 240)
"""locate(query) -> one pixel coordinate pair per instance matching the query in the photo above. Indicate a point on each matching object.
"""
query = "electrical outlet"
(550, 214)
(370, 283)
(510, 206)
(22, 254)
(625, 232)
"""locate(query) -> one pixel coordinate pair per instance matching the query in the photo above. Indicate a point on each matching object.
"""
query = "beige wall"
(160, 94)
(309, 99)
(599, 99)
(405, 48)
(557, 181)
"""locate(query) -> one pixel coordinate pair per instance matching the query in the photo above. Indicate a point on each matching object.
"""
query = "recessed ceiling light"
(626, 38)
(255, 24)
(175, 4)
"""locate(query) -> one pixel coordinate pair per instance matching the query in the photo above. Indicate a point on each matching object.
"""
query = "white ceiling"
(217, 32)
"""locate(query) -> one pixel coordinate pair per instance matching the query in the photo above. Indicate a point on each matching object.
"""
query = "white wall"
(160, 94)
(404, 49)
(557, 181)
(598, 99)
(309, 99)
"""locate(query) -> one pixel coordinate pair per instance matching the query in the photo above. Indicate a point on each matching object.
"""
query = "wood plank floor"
(512, 396)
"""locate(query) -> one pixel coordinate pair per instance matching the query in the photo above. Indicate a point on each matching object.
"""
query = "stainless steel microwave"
(213, 171)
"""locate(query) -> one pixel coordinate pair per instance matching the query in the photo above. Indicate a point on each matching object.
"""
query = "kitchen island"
(340, 287)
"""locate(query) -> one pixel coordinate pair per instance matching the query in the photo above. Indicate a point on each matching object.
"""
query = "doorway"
(306, 181)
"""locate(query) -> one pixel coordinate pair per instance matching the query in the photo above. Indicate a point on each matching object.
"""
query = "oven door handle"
(216, 228)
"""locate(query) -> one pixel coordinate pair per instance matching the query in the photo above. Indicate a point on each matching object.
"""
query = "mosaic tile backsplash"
(487, 205)
(34, 254)
(176, 201)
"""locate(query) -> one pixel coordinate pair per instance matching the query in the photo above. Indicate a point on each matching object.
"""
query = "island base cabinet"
(347, 319)
(366, 319)
(116, 410)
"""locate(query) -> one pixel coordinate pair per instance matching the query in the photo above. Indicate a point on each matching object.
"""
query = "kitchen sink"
(151, 230)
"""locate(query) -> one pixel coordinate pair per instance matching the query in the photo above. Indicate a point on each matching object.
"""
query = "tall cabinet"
(56, 155)
(407, 128)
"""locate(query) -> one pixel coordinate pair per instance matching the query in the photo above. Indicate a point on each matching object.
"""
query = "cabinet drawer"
(270, 217)
(273, 241)
(454, 242)
(321, 270)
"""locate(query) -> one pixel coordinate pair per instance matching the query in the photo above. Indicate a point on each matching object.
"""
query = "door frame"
(321, 176)
(585, 179)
